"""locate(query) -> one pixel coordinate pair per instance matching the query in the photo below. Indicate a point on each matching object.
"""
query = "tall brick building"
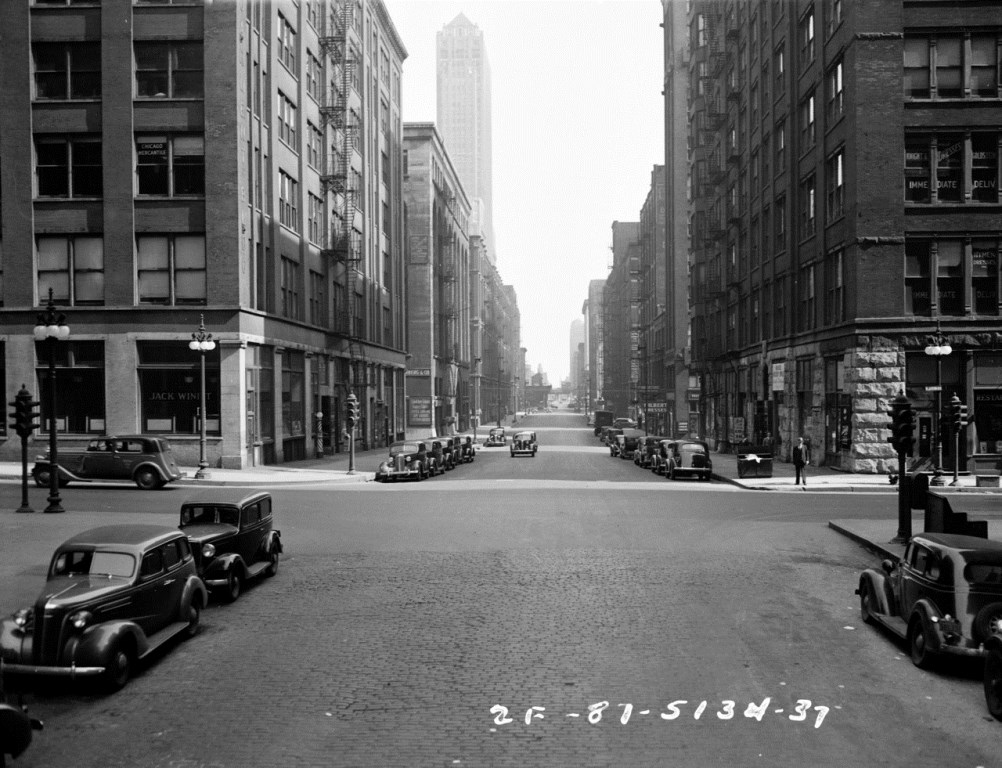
(845, 206)
(160, 163)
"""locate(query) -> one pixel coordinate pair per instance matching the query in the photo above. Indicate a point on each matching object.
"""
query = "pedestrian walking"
(801, 458)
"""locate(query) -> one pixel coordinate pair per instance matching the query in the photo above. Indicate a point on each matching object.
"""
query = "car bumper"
(393, 474)
(71, 671)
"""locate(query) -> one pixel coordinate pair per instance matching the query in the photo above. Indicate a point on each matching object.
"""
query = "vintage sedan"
(524, 444)
(112, 596)
(611, 440)
(647, 450)
(233, 538)
(497, 436)
(469, 451)
(629, 442)
(944, 597)
(687, 458)
(146, 460)
(437, 457)
(408, 460)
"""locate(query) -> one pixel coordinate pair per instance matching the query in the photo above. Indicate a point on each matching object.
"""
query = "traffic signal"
(902, 425)
(353, 413)
(959, 417)
(24, 414)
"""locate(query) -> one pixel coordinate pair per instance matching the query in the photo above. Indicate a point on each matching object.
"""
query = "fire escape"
(342, 131)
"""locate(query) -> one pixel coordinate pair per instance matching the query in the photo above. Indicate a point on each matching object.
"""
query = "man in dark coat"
(801, 458)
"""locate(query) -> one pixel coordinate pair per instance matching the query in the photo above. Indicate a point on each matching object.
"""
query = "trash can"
(754, 461)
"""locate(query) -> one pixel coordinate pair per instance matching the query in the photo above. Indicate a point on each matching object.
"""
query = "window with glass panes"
(73, 267)
(169, 69)
(170, 165)
(835, 104)
(961, 64)
(835, 174)
(68, 166)
(79, 408)
(170, 269)
(67, 70)
(834, 288)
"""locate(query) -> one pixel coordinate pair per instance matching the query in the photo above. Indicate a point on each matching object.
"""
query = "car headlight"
(80, 619)
(22, 617)
(208, 550)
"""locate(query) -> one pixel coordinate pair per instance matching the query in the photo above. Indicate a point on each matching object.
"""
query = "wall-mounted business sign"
(419, 411)
(419, 372)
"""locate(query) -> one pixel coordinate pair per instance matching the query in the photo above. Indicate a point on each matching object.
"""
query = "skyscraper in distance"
(464, 115)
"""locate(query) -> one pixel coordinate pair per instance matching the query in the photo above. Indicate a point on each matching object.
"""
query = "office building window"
(936, 268)
(169, 70)
(288, 197)
(808, 207)
(779, 302)
(779, 223)
(73, 267)
(835, 172)
(958, 157)
(170, 388)
(808, 133)
(918, 169)
(170, 269)
(807, 37)
(68, 167)
(779, 143)
(314, 146)
(318, 300)
(286, 49)
(836, 101)
(834, 15)
(808, 318)
(949, 149)
(985, 276)
(779, 57)
(170, 165)
(314, 76)
(917, 277)
(287, 120)
(289, 288)
(67, 70)
(315, 215)
(834, 293)
(952, 66)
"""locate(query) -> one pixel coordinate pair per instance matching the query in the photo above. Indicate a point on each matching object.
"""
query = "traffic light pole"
(902, 427)
(24, 425)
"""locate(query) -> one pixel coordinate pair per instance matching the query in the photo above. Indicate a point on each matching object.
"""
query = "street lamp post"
(201, 342)
(643, 379)
(939, 348)
(51, 329)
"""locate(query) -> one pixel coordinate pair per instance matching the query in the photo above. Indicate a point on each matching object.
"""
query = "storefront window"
(293, 406)
(80, 406)
(266, 389)
(985, 274)
(949, 277)
(170, 387)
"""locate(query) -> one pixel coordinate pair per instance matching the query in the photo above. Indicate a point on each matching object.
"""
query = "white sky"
(578, 125)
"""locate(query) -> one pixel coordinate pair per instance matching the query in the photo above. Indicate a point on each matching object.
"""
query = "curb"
(865, 542)
(340, 477)
(814, 488)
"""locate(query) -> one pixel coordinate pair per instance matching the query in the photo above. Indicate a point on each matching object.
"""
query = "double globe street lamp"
(201, 342)
(51, 329)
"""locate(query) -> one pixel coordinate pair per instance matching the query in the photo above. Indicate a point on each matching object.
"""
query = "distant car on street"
(146, 460)
(686, 458)
(497, 436)
(524, 444)
(232, 537)
(944, 598)
(113, 595)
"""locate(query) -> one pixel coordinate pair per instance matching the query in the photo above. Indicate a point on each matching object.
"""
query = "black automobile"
(630, 442)
(113, 595)
(408, 460)
(233, 538)
(469, 452)
(646, 450)
(944, 598)
(436, 455)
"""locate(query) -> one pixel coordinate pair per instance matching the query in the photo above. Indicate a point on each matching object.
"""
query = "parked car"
(469, 452)
(944, 598)
(436, 455)
(112, 596)
(687, 458)
(496, 436)
(611, 439)
(644, 455)
(630, 442)
(408, 460)
(524, 443)
(659, 459)
(146, 460)
(233, 537)
(624, 423)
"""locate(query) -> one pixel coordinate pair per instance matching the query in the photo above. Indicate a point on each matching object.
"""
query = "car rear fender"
(194, 589)
(94, 646)
(272, 541)
(43, 464)
(880, 588)
(154, 466)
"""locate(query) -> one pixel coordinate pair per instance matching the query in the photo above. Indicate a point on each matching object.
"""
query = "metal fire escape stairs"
(342, 131)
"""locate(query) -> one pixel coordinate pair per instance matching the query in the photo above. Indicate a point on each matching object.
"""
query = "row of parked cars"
(671, 458)
(115, 594)
(418, 459)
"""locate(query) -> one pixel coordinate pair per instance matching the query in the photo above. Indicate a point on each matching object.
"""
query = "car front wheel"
(233, 585)
(119, 668)
(993, 682)
(194, 616)
(918, 644)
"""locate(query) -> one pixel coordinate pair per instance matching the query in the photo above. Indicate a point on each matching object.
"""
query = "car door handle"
(169, 581)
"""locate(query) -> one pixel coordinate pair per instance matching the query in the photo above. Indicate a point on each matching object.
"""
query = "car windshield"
(405, 448)
(202, 514)
(83, 562)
